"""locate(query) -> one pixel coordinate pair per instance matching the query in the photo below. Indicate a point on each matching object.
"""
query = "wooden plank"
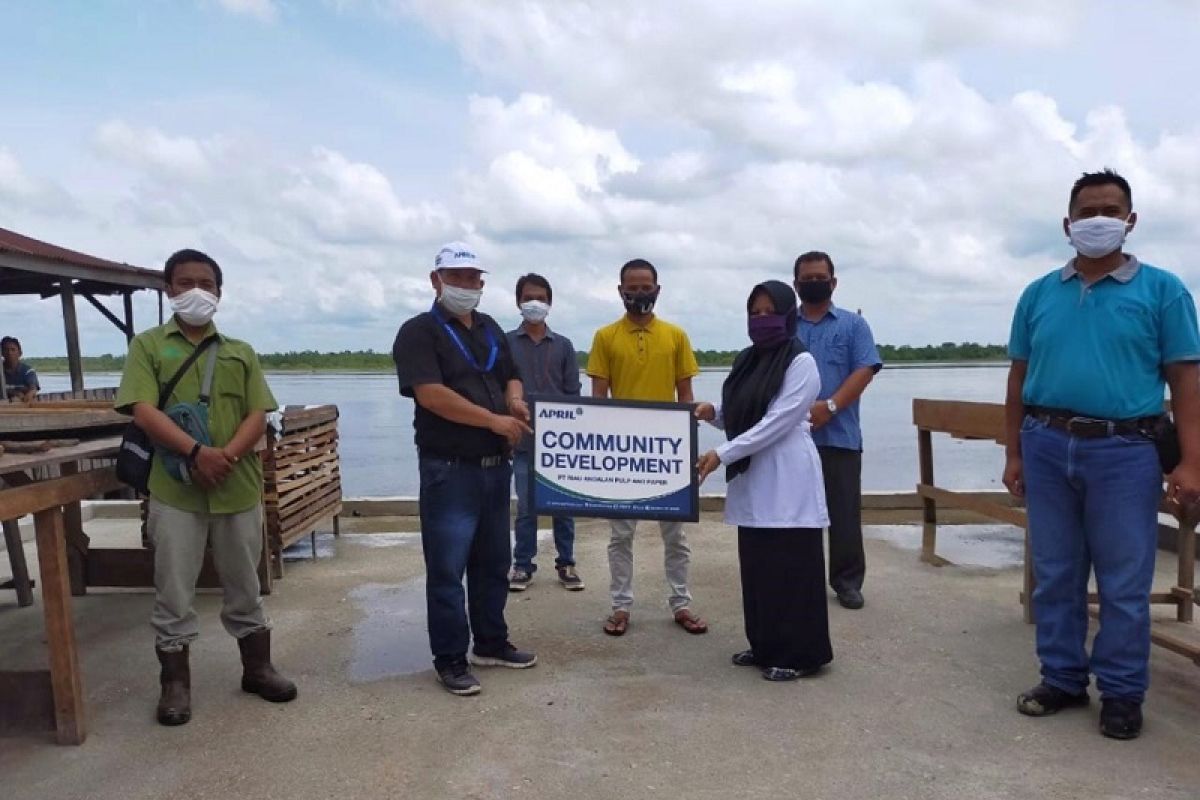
(26, 702)
(974, 502)
(290, 457)
(16, 559)
(962, 419)
(316, 460)
(295, 419)
(70, 722)
(327, 496)
(42, 495)
(133, 568)
(315, 477)
(929, 505)
(303, 527)
(77, 540)
(102, 447)
(1186, 576)
(66, 289)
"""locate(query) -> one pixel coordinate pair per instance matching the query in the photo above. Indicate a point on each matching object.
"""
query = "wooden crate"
(302, 478)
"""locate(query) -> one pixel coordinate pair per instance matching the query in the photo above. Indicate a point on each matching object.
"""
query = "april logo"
(559, 413)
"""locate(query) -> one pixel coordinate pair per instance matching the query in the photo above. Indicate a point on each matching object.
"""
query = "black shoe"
(1120, 718)
(519, 579)
(745, 659)
(851, 598)
(787, 674)
(570, 579)
(457, 679)
(1043, 700)
(507, 656)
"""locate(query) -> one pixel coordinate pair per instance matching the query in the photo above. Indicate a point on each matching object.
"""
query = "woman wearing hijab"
(775, 492)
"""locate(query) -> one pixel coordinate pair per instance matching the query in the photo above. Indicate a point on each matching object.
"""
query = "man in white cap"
(456, 364)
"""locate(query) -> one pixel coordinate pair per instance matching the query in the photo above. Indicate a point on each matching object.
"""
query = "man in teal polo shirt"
(1093, 343)
(221, 504)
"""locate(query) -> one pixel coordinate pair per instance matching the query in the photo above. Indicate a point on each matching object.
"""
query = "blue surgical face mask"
(1096, 237)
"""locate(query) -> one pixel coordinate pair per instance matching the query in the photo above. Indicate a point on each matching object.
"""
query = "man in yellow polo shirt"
(220, 502)
(641, 357)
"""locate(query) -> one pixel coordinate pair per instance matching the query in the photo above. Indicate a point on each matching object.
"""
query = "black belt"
(1087, 427)
(474, 461)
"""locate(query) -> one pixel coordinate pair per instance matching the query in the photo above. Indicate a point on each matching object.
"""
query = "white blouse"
(783, 487)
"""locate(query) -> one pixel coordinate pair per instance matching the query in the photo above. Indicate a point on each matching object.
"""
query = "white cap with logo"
(457, 255)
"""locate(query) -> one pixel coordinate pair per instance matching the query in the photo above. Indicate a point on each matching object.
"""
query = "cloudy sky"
(321, 151)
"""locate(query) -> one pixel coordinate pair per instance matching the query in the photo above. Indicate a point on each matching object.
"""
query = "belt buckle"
(1084, 422)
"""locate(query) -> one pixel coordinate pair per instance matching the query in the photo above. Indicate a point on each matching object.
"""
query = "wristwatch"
(831, 405)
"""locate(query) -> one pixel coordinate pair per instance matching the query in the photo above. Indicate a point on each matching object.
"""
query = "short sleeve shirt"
(1099, 349)
(842, 343)
(642, 362)
(239, 389)
(20, 379)
(427, 351)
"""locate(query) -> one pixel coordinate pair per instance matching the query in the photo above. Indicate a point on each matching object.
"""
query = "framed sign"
(614, 458)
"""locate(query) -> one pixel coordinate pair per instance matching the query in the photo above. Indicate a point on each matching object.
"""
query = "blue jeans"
(525, 529)
(464, 529)
(1093, 504)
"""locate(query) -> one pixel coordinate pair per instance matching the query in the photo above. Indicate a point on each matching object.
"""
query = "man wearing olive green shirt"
(218, 502)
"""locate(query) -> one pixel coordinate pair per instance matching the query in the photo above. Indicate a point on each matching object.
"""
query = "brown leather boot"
(258, 674)
(175, 703)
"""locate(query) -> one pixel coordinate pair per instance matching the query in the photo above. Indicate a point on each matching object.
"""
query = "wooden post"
(77, 541)
(71, 326)
(160, 316)
(1187, 570)
(128, 299)
(929, 505)
(16, 557)
(69, 721)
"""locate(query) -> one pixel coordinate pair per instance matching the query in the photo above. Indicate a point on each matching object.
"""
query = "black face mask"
(640, 302)
(814, 291)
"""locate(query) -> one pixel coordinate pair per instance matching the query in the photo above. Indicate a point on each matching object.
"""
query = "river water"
(379, 459)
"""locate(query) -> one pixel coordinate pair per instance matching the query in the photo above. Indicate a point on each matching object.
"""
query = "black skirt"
(783, 596)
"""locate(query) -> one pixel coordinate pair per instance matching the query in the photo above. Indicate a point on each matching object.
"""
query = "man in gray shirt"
(547, 365)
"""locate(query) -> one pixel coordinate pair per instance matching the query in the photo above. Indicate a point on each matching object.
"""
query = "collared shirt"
(1099, 348)
(642, 362)
(426, 353)
(841, 342)
(22, 378)
(239, 389)
(547, 366)
(783, 487)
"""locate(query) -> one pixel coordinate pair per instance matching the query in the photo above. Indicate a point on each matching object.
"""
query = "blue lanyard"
(493, 347)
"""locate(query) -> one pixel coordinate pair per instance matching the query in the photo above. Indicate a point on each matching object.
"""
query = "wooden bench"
(985, 421)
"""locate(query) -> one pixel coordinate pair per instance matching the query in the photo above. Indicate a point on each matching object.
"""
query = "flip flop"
(617, 623)
(691, 623)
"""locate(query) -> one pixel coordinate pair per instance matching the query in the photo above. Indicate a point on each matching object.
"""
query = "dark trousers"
(464, 529)
(842, 469)
(783, 596)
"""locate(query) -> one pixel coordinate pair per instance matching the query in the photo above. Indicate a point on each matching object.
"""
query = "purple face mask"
(768, 330)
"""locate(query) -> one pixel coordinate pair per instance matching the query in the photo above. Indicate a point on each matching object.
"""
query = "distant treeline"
(370, 361)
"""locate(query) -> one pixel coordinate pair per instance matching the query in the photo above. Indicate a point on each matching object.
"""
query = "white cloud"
(264, 10)
(19, 189)
(150, 148)
(347, 201)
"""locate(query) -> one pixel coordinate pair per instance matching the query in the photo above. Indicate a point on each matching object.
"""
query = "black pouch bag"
(136, 455)
(1166, 440)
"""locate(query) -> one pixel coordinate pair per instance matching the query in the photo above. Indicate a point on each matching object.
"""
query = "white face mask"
(1096, 237)
(534, 311)
(459, 301)
(195, 306)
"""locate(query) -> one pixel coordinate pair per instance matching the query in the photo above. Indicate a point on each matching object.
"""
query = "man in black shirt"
(457, 365)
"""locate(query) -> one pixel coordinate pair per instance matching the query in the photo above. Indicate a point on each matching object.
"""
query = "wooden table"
(53, 698)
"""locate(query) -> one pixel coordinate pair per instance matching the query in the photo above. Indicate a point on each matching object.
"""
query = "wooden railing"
(985, 421)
